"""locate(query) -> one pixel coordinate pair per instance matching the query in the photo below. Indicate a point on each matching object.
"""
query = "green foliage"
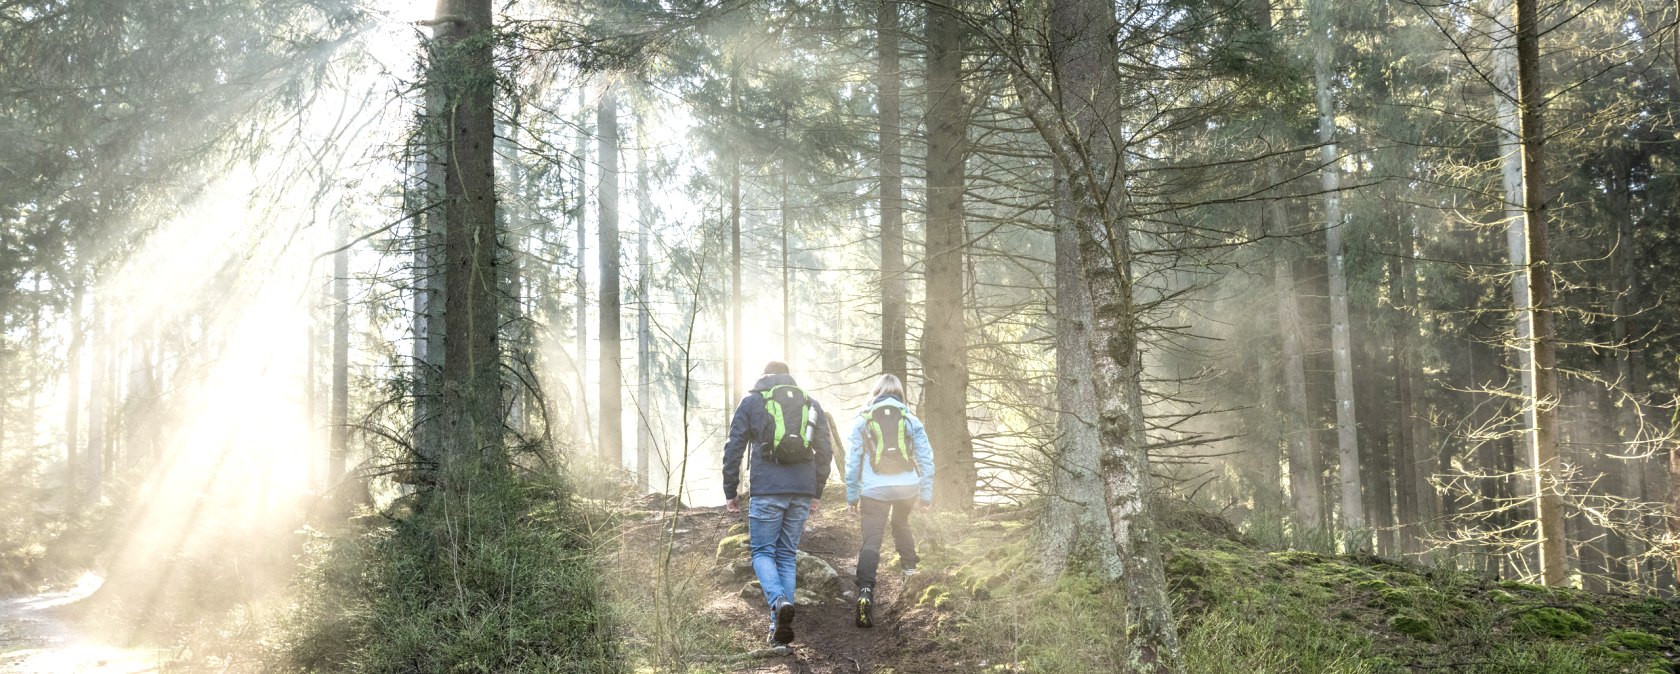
(502, 579)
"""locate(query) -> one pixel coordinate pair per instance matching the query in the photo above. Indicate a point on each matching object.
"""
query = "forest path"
(36, 636)
(825, 639)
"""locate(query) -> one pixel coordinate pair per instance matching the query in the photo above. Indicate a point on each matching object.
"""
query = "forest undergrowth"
(41, 546)
(528, 577)
(981, 603)
(503, 578)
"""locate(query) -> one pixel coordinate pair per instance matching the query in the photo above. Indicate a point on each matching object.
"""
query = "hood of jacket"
(889, 398)
(768, 381)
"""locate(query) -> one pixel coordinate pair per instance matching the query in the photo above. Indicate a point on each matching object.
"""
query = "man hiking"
(786, 436)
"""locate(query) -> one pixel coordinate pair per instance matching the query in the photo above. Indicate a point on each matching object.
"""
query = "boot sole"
(784, 624)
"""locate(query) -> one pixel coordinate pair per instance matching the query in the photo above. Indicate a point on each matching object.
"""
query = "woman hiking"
(889, 472)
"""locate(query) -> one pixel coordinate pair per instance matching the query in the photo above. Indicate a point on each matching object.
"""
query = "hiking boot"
(866, 607)
(783, 633)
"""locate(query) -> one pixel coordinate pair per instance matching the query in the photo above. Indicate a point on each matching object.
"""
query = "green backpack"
(791, 409)
(889, 440)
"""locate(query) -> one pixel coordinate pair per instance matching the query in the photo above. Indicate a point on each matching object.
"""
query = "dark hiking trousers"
(875, 515)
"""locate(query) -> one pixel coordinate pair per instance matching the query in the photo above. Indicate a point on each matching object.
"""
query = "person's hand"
(926, 506)
(816, 506)
(733, 505)
(852, 508)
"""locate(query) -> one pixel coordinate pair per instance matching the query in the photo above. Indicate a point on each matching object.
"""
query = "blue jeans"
(774, 524)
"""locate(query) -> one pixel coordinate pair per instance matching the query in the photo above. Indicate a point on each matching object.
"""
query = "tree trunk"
(1627, 544)
(429, 273)
(1673, 508)
(1379, 448)
(612, 358)
(1540, 407)
(944, 344)
(1347, 435)
(338, 422)
(581, 435)
(1075, 518)
(1083, 54)
(1408, 505)
(645, 409)
(471, 378)
(513, 312)
(98, 386)
(1305, 498)
(787, 223)
(6, 388)
(895, 356)
(736, 294)
(73, 402)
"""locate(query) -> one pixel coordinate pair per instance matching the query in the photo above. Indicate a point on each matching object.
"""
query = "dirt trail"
(826, 641)
(37, 637)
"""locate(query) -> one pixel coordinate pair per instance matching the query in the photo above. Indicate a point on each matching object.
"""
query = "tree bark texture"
(1542, 446)
(1305, 496)
(787, 223)
(73, 402)
(612, 357)
(1347, 433)
(645, 409)
(1076, 519)
(471, 377)
(338, 422)
(581, 435)
(737, 296)
(944, 343)
(1084, 55)
(895, 356)
(98, 388)
(429, 272)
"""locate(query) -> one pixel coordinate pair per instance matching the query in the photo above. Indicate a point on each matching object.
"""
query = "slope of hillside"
(978, 604)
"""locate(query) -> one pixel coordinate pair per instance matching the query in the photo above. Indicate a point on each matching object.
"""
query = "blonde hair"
(887, 385)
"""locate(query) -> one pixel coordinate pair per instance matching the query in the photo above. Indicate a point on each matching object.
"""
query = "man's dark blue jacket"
(753, 428)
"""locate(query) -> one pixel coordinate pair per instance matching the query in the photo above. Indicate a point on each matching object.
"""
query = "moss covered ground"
(1262, 611)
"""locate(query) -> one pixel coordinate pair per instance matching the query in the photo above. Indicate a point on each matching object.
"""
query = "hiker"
(889, 472)
(788, 438)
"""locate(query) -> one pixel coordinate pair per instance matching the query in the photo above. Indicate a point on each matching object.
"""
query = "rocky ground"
(826, 640)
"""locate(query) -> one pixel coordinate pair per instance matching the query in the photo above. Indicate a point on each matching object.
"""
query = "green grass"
(500, 580)
(664, 630)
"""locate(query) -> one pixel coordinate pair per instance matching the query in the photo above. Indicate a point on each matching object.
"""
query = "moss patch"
(1552, 622)
(1413, 626)
(732, 547)
(1634, 640)
(934, 596)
